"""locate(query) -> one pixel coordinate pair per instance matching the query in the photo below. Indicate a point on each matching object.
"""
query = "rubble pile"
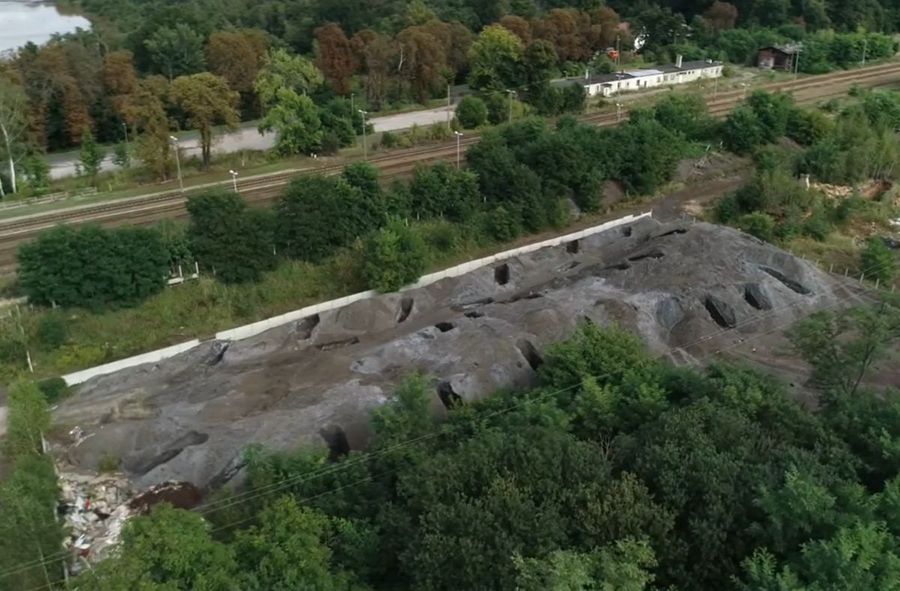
(96, 508)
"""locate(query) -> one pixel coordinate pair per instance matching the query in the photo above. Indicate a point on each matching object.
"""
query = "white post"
(458, 137)
(365, 147)
(234, 176)
(448, 106)
(511, 94)
(174, 141)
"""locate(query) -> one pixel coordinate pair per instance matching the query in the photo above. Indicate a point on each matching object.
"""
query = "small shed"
(778, 57)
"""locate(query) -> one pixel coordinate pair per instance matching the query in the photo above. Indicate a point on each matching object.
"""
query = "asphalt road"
(247, 137)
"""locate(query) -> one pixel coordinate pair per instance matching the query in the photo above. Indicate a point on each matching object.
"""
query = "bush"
(394, 257)
(93, 267)
(228, 238)
(877, 260)
(53, 389)
(317, 215)
(389, 140)
(52, 331)
(503, 225)
(471, 112)
(758, 224)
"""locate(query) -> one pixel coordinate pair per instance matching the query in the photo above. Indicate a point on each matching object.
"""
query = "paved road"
(248, 138)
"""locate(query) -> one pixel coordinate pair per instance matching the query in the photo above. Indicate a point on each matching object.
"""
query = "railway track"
(262, 189)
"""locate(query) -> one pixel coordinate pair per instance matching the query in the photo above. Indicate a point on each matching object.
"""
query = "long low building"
(631, 80)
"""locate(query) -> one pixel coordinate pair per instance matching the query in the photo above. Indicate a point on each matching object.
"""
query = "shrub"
(317, 215)
(394, 257)
(52, 331)
(389, 140)
(93, 267)
(471, 112)
(758, 224)
(53, 389)
(228, 238)
(878, 262)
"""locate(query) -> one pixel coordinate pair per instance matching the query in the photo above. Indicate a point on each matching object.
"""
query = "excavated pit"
(185, 420)
(721, 313)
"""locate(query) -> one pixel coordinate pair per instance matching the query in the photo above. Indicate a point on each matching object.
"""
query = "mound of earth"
(689, 290)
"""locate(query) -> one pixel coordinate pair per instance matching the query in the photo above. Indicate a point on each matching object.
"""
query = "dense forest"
(148, 68)
(617, 471)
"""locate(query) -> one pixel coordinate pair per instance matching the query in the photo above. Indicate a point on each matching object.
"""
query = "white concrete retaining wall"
(84, 375)
(256, 328)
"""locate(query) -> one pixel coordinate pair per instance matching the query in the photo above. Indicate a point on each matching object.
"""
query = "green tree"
(364, 176)
(285, 71)
(495, 60)
(877, 261)
(394, 257)
(623, 566)
(743, 131)
(316, 215)
(288, 550)
(442, 190)
(28, 419)
(176, 51)
(471, 112)
(842, 346)
(93, 267)
(168, 549)
(230, 239)
(207, 101)
(91, 157)
(30, 534)
(295, 119)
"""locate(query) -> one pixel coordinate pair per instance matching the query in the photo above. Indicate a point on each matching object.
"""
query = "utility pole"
(448, 106)
(365, 147)
(797, 63)
(234, 176)
(174, 141)
(618, 112)
(618, 51)
(865, 48)
(458, 137)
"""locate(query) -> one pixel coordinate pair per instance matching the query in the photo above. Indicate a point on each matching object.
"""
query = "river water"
(21, 22)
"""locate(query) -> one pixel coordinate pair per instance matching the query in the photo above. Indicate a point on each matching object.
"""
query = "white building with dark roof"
(678, 73)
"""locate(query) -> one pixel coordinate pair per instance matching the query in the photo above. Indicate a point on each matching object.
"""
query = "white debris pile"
(94, 508)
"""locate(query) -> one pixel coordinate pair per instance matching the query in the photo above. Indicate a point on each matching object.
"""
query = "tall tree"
(207, 100)
(13, 126)
(377, 55)
(721, 15)
(91, 157)
(424, 62)
(283, 70)
(238, 57)
(495, 60)
(334, 56)
(295, 119)
(145, 111)
(176, 51)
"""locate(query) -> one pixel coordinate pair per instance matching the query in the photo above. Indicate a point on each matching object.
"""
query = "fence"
(256, 328)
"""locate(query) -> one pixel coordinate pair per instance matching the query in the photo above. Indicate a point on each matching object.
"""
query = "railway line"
(261, 189)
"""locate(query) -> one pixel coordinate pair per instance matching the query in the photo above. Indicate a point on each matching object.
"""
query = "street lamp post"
(618, 112)
(365, 147)
(174, 141)
(511, 93)
(458, 137)
(234, 176)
